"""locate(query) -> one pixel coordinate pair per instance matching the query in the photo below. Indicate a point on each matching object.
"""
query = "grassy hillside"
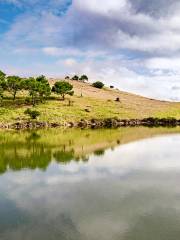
(94, 103)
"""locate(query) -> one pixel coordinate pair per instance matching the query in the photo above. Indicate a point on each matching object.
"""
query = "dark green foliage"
(32, 85)
(2, 84)
(14, 84)
(39, 88)
(32, 113)
(99, 152)
(63, 88)
(98, 84)
(63, 156)
(44, 88)
(75, 78)
(83, 78)
(2, 74)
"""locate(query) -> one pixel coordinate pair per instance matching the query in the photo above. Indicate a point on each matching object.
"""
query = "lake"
(112, 184)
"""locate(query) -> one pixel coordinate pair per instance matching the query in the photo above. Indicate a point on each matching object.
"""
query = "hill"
(90, 103)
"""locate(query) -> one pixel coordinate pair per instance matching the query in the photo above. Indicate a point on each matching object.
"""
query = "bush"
(75, 78)
(32, 113)
(98, 84)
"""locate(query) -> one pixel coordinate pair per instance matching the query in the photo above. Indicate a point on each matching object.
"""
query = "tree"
(14, 84)
(32, 85)
(2, 75)
(38, 88)
(2, 84)
(44, 88)
(75, 78)
(67, 77)
(83, 78)
(63, 88)
(98, 84)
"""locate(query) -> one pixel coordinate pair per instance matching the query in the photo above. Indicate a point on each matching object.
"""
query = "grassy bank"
(88, 103)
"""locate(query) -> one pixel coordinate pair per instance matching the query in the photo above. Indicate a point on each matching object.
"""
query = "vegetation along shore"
(73, 102)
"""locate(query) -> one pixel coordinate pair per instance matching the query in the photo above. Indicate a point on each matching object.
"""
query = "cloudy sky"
(132, 44)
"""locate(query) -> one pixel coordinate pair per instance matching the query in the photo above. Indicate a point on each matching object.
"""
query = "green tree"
(63, 88)
(83, 78)
(14, 84)
(98, 84)
(32, 85)
(39, 88)
(75, 78)
(2, 84)
(44, 88)
(2, 75)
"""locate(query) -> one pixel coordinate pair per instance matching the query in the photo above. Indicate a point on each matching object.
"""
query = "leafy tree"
(63, 88)
(14, 84)
(2, 84)
(75, 78)
(38, 88)
(98, 84)
(2, 75)
(32, 85)
(44, 88)
(32, 113)
(83, 78)
(67, 77)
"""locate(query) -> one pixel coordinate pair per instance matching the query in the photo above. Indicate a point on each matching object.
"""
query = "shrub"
(75, 78)
(98, 84)
(32, 113)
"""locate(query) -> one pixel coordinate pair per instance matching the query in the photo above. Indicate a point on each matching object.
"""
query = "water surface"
(90, 185)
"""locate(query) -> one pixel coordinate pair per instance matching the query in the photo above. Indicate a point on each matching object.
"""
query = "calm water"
(90, 185)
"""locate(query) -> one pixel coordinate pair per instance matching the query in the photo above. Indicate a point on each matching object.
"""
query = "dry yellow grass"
(140, 106)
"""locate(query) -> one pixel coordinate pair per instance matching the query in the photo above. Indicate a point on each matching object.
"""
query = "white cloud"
(172, 64)
(91, 37)
(107, 8)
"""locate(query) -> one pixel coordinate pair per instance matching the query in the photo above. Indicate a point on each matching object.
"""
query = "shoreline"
(95, 123)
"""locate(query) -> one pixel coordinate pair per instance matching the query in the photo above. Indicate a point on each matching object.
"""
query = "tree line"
(82, 78)
(38, 88)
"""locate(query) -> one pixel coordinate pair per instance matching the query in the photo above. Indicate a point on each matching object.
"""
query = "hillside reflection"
(36, 150)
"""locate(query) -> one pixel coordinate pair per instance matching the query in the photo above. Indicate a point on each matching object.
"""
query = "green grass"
(173, 112)
(55, 110)
(59, 111)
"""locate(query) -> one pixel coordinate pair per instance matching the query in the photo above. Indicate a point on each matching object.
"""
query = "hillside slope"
(94, 103)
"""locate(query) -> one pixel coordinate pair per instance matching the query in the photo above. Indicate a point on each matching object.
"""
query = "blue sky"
(132, 44)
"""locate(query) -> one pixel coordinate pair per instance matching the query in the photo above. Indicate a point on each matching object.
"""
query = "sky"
(131, 44)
